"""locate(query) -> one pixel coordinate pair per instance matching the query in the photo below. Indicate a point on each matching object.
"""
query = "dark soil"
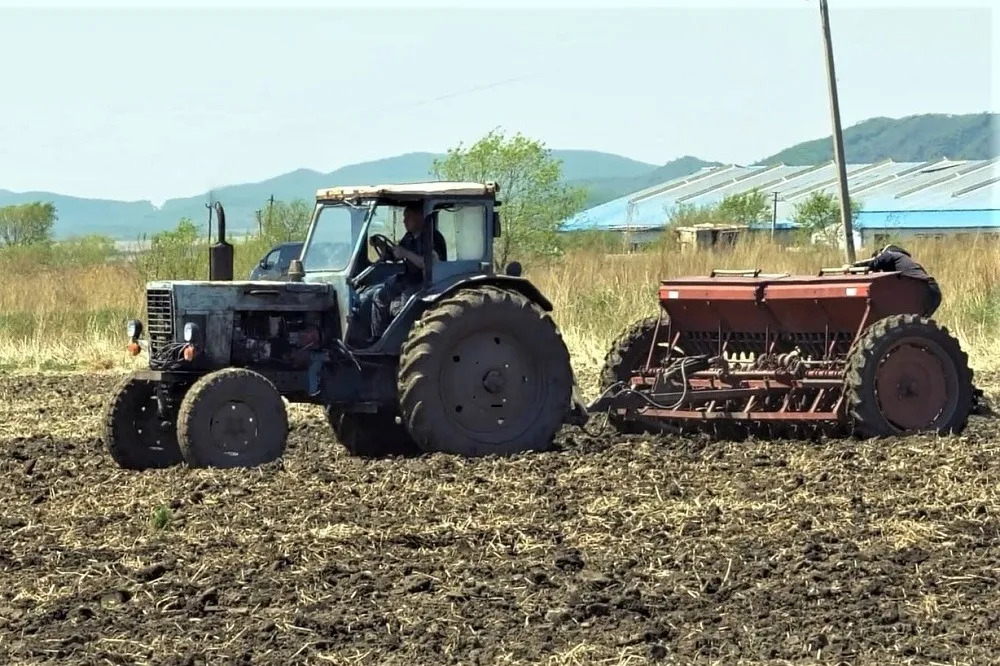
(610, 550)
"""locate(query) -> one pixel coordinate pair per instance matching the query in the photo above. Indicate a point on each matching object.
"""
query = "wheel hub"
(151, 431)
(494, 381)
(233, 426)
(489, 386)
(912, 387)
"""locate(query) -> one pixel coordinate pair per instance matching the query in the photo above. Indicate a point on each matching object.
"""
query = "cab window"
(464, 229)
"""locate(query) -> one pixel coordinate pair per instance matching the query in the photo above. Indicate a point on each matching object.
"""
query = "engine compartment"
(277, 339)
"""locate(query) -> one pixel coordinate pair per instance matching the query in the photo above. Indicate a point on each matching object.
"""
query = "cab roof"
(409, 190)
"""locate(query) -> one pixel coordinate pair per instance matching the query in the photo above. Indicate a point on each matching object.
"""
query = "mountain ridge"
(918, 137)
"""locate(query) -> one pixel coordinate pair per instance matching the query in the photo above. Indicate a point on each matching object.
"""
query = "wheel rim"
(147, 426)
(491, 387)
(916, 385)
(234, 427)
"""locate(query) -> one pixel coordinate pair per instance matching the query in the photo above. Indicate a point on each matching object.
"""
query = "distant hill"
(911, 139)
(606, 175)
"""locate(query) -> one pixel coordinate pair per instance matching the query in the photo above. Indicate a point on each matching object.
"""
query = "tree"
(744, 208)
(27, 224)
(178, 254)
(534, 199)
(819, 216)
(821, 210)
(283, 222)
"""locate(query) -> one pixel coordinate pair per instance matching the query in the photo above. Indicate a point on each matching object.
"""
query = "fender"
(518, 284)
(392, 340)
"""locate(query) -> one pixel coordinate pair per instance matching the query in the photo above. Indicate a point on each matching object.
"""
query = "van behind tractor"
(471, 364)
(744, 354)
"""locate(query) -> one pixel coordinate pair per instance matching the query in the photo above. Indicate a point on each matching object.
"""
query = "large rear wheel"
(907, 374)
(485, 371)
(370, 435)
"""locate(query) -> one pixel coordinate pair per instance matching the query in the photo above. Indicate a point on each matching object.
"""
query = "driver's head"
(413, 218)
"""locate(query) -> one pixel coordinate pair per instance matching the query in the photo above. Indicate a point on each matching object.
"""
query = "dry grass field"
(608, 550)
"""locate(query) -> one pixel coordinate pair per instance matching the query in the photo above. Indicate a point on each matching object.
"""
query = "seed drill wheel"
(628, 354)
(485, 371)
(135, 435)
(907, 374)
(370, 435)
(232, 418)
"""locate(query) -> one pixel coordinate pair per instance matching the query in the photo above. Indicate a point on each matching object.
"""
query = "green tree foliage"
(28, 224)
(745, 208)
(179, 254)
(821, 210)
(818, 217)
(535, 200)
(284, 222)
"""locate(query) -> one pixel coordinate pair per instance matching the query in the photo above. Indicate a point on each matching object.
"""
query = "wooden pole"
(838, 137)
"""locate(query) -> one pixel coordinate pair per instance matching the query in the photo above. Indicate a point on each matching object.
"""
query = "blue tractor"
(465, 361)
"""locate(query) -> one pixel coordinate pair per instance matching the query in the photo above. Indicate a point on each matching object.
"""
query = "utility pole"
(270, 205)
(774, 215)
(208, 205)
(838, 136)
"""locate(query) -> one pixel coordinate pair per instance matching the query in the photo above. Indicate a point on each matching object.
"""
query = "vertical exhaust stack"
(220, 255)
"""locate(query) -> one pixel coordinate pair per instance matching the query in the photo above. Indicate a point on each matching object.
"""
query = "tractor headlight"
(190, 331)
(134, 328)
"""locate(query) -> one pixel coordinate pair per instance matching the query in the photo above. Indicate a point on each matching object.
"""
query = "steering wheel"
(383, 247)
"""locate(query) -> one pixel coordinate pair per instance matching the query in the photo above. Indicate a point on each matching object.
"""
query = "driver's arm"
(412, 257)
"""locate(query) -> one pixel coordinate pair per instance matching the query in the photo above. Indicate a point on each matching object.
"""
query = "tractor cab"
(350, 243)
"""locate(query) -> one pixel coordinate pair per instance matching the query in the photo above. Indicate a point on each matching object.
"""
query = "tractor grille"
(159, 319)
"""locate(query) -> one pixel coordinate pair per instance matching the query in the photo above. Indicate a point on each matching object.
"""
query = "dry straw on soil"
(605, 551)
(73, 317)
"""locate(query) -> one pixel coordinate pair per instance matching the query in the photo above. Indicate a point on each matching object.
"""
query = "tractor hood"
(217, 307)
(215, 296)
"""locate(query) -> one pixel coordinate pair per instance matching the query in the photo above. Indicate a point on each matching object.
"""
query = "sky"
(152, 103)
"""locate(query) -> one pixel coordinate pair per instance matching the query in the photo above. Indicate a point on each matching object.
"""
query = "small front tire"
(232, 418)
(136, 437)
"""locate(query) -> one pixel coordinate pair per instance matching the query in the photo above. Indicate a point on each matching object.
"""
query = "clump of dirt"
(609, 549)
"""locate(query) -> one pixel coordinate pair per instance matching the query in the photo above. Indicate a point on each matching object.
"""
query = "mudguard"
(519, 284)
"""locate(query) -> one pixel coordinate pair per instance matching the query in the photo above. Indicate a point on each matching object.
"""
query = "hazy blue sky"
(156, 103)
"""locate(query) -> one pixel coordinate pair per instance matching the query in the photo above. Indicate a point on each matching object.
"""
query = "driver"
(410, 251)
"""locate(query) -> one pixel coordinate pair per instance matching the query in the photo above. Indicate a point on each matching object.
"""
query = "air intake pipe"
(220, 255)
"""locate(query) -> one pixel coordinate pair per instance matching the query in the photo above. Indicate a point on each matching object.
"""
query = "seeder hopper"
(741, 353)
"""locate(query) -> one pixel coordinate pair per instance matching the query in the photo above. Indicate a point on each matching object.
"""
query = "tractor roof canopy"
(408, 191)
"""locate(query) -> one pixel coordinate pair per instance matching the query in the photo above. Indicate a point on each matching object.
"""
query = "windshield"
(335, 230)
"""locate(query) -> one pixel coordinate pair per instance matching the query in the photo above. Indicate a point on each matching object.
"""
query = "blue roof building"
(899, 198)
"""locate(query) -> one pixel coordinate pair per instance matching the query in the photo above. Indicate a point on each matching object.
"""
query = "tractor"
(471, 363)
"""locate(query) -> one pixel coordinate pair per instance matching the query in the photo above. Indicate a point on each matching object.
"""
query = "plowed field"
(608, 550)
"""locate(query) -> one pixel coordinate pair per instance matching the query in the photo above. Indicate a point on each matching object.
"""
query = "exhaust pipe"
(220, 255)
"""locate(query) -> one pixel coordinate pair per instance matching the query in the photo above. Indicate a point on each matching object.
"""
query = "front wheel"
(483, 372)
(136, 437)
(232, 418)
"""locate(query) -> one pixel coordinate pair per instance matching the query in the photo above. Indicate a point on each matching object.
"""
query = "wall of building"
(880, 236)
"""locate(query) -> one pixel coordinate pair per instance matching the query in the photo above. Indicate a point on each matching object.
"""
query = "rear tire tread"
(865, 419)
(419, 363)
